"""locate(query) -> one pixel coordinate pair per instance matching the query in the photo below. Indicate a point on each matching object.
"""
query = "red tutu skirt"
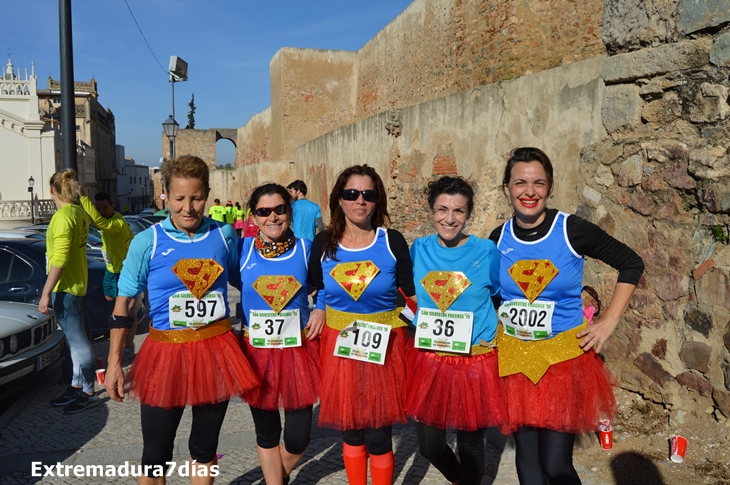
(169, 375)
(290, 378)
(456, 392)
(358, 395)
(571, 397)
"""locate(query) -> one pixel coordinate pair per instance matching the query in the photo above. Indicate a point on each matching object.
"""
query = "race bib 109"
(364, 341)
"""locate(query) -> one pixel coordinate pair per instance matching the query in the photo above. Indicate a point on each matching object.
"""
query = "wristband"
(118, 321)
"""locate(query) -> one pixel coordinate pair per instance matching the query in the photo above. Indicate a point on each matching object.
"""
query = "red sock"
(356, 464)
(381, 468)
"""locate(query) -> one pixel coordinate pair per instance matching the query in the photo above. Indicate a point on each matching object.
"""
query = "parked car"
(29, 340)
(137, 224)
(147, 211)
(93, 242)
(23, 274)
(153, 219)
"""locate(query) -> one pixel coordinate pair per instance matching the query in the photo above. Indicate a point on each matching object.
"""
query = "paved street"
(34, 431)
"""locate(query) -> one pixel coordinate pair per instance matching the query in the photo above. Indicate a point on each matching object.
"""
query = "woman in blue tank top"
(555, 382)
(453, 380)
(274, 297)
(191, 356)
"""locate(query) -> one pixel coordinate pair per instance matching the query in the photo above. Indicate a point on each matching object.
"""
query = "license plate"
(48, 358)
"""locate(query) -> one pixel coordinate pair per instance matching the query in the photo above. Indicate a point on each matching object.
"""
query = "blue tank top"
(380, 293)
(162, 282)
(293, 263)
(564, 289)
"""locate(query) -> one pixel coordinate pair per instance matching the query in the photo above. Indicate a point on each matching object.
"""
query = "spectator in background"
(307, 218)
(216, 211)
(115, 238)
(238, 216)
(65, 288)
(229, 216)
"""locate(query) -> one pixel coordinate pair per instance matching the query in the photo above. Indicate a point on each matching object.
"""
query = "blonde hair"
(186, 166)
(65, 185)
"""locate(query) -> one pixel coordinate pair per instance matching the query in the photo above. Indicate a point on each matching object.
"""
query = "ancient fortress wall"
(439, 47)
(639, 134)
(468, 133)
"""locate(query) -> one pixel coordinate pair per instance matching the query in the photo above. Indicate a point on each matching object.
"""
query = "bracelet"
(118, 321)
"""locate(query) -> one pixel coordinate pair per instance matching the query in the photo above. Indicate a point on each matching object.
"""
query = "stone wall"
(200, 143)
(432, 49)
(468, 133)
(312, 93)
(439, 47)
(661, 183)
(254, 138)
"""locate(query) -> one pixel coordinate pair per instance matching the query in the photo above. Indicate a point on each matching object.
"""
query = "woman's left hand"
(597, 333)
(604, 325)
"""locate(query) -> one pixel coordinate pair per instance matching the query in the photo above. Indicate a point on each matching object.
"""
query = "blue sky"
(227, 43)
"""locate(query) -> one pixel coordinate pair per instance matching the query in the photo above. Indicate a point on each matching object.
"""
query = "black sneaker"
(68, 396)
(82, 402)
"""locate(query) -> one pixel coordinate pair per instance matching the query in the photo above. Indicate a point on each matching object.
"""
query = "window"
(6, 260)
(130, 180)
(20, 270)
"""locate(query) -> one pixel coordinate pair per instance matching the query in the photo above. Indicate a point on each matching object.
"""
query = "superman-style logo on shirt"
(355, 277)
(532, 276)
(277, 291)
(197, 274)
(444, 287)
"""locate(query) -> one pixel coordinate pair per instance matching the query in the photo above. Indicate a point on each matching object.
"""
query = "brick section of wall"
(444, 165)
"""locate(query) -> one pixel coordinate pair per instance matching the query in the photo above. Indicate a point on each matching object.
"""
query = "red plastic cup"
(606, 439)
(679, 448)
(100, 375)
(605, 432)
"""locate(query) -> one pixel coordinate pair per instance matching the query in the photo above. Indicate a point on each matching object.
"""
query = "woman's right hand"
(114, 381)
(315, 324)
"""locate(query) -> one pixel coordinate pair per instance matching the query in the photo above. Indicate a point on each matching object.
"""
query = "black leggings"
(543, 455)
(297, 428)
(377, 441)
(159, 426)
(469, 468)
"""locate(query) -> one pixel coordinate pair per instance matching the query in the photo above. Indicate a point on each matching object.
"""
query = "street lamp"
(31, 182)
(170, 126)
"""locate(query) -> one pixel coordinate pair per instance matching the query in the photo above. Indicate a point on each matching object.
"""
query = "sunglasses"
(266, 211)
(354, 194)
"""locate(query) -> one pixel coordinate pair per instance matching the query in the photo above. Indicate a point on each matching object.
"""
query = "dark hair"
(268, 189)
(238, 206)
(188, 167)
(217, 201)
(101, 196)
(336, 228)
(451, 186)
(64, 184)
(298, 185)
(529, 154)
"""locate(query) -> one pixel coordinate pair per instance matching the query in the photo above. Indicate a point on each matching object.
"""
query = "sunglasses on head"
(354, 194)
(266, 211)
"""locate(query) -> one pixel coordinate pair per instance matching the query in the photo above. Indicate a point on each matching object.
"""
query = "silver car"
(29, 340)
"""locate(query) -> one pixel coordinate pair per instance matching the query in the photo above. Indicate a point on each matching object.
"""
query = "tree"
(191, 114)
